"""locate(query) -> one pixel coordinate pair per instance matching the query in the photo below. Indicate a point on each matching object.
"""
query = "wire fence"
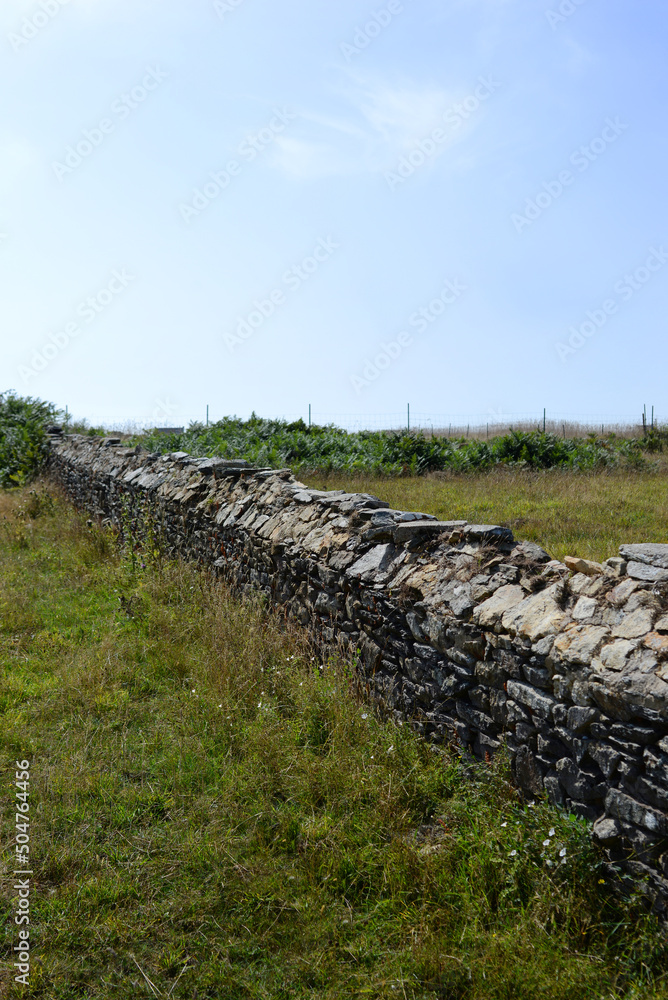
(440, 424)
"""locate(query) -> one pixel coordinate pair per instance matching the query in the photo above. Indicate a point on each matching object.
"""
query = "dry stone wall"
(475, 637)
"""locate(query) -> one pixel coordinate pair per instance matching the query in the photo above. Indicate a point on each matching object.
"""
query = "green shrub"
(23, 438)
(276, 443)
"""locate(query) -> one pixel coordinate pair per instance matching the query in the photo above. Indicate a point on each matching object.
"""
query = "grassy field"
(215, 814)
(584, 514)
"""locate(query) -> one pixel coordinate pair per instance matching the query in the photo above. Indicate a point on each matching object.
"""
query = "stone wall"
(473, 636)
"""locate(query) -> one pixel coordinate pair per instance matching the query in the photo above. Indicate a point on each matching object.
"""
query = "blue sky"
(457, 204)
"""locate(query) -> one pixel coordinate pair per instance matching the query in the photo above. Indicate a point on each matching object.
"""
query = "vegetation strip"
(277, 443)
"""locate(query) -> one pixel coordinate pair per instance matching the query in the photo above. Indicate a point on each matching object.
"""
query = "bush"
(276, 443)
(23, 438)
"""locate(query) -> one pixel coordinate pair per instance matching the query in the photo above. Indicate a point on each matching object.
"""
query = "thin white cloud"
(381, 122)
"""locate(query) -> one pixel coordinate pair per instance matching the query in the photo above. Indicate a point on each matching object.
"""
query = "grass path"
(214, 814)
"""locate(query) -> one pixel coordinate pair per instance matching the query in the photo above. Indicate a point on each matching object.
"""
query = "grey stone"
(579, 719)
(615, 655)
(490, 673)
(377, 559)
(615, 567)
(651, 574)
(458, 596)
(635, 624)
(536, 616)
(527, 772)
(412, 529)
(654, 794)
(626, 808)
(550, 746)
(537, 676)
(492, 610)
(554, 791)
(604, 757)
(537, 701)
(516, 713)
(585, 609)
(580, 786)
(578, 644)
(543, 646)
(607, 830)
(531, 552)
(650, 553)
(487, 533)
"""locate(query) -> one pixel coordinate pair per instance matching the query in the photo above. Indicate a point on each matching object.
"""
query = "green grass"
(583, 514)
(215, 812)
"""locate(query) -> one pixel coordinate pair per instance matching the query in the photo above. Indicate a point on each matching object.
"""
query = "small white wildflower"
(549, 863)
(551, 833)
(390, 749)
(546, 843)
(504, 824)
(531, 804)
(371, 756)
(562, 852)
(513, 853)
(364, 715)
(193, 690)
(259, 704)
